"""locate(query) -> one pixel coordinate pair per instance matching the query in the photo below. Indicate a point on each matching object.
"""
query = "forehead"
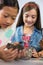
(10, 10)
(32, 11)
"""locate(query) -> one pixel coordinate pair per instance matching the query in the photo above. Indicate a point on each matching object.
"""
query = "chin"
(4, 27)
(31, 25)
(28, 25)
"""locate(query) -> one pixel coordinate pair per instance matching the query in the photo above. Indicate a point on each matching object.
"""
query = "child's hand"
(2, 52)
(12, 54)
(41, 53)
(21, 53)
(9, 54)
(24, 52)
(35, 54)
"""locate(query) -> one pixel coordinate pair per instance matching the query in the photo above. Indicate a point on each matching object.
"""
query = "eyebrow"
(32, 15)
(12, 15)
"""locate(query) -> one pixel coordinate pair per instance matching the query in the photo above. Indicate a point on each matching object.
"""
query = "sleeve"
(36, 42)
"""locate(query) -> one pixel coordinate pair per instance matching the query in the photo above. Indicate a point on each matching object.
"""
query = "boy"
(8, 12)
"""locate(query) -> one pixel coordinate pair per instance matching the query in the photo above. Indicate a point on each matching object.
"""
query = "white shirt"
(5, 35)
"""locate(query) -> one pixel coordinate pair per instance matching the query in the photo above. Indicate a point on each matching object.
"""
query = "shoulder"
(19, 29)
(38, 33)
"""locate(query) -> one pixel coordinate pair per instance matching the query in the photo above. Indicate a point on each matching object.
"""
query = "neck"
(29, 28)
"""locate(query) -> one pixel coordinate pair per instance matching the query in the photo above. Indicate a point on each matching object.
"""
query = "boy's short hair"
(11, 3)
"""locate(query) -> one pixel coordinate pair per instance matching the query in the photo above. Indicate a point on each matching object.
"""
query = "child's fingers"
(20, 54)
(16, 43)
(40, 54)
(3, 47)
(34, 54)
(24, 52)
(13, 55)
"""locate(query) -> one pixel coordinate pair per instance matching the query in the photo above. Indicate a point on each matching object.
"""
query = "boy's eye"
(13, 18)
(5, 16)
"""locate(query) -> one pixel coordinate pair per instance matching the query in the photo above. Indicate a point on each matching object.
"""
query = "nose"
(29, 18)
(9, 20)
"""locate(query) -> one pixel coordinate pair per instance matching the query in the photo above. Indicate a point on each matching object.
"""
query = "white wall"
(39, 2)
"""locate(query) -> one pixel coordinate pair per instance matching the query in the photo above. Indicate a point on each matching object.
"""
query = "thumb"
(3, 47)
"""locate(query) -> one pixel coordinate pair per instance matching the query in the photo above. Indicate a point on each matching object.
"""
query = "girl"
(29, 27)
(8, 12)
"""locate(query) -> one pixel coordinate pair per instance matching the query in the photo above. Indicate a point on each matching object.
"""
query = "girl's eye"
(26, 16)
(33, 17)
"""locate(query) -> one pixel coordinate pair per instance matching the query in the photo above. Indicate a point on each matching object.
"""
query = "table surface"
(23, 62)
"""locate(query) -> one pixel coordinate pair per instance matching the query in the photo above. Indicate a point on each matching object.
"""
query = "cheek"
(34, 20)
(1, 19)
(24, 19)
(0, 16)
(11, 22)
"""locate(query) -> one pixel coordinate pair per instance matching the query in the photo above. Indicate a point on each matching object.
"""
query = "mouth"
(29, 22)
(5, 25)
